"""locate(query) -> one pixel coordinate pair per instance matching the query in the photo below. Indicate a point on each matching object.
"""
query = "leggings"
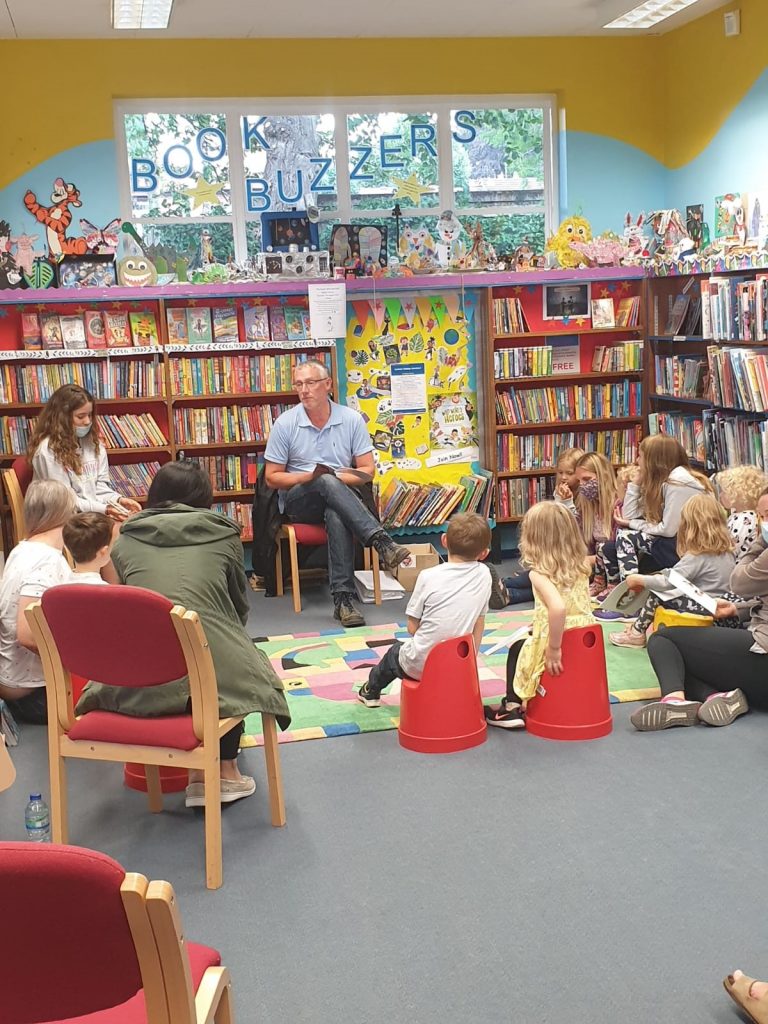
(619, 559)
(514, 654)
(680, 604)
(701, 661)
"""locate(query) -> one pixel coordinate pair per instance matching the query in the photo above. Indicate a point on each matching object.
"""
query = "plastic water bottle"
(37, 819)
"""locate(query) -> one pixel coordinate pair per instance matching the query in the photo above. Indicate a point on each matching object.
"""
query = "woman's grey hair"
(47, 505)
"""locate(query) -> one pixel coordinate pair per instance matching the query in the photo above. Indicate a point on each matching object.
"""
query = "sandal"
(738, 989)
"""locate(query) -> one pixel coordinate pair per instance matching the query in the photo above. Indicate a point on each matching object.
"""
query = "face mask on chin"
(764, 531)
(588, 489)
(82, 431)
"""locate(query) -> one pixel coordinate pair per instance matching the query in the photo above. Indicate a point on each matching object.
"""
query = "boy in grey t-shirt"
(449, 600)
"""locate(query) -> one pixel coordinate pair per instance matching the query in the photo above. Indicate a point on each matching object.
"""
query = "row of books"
(402, 503)
(132, 479)
(515, 497)
(36, 382)
(240, 512)
(735, 308)
(541, 360)
(132, 430)
(569, 402)
(229, 472)
(530, 361)
(15, 432)
(539, 451)
(93, 329)
(682, 377)
(508, 317)
(607, 314)
(684, 315)
(239, 373)
(734, 440)
(621, 358)
(687, 429)
(201, 325)
(739, 378)
(225, 424)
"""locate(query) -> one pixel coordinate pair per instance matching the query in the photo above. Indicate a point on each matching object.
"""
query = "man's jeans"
(329, 501)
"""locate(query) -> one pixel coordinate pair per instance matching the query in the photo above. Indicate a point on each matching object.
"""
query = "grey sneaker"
(231, 790)
(390, 553)
(345, 611)
(663, 714)
(723, 708)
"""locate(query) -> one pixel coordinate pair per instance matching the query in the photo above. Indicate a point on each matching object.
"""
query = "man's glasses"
(313, 382)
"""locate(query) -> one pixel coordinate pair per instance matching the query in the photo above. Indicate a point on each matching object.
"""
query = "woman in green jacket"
(194, 557)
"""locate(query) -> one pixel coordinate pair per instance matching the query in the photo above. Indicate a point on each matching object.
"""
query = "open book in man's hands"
(321, 469)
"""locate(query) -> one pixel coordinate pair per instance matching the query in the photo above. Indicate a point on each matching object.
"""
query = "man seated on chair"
(448, 601)
(316, 455)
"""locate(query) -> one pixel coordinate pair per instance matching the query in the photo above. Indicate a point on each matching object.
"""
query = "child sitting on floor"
(739, 490)
(706, 561)
(88, 538)
(554, 551)
(449, 600)
(594, 507)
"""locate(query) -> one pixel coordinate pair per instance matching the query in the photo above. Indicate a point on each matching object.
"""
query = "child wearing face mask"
(739, 490)
(594, 508)
(66, 446)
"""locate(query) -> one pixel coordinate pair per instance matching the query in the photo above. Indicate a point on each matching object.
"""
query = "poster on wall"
(410, 373)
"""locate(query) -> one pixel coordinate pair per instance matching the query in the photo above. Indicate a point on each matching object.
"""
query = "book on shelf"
(199, 331)
(226, 424)
(117, 378)
(241, 513)
(603, 313)
(406, 503)
(687, 429)
(132, 479)
(144, 329)
(677, 314)
(618, 358)
(95, 335)
(515, 497)
(117, 328)
(628, 311)
(509, 317)
(228, 472)
(294, 324)
(739, 377)
(72, 331)
(570, 402)
(225, 324)
(176, 320)
(256, 323)
(277, 323)
(31, 335)
(50, 330)
(237, 373)
(733, 440)
(15, 432)
(515, 452)
(533, 361)
(682, 377)
(131, 430)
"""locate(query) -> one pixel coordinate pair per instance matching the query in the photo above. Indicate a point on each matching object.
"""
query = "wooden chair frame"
(7, 767)
(288, 532)
(205, 722)
(155, 924)
(16, 504)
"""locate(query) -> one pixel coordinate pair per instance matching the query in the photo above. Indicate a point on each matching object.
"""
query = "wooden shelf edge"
(553, 426)
(565, 334)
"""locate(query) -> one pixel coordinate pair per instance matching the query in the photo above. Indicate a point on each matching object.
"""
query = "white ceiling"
(234, 19)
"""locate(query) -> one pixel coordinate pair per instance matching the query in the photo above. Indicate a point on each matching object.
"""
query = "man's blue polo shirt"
(294, 442)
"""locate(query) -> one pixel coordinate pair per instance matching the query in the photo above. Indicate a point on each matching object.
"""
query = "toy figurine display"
(417, 250)
(481, 255)
(572, 229)
(450, 249)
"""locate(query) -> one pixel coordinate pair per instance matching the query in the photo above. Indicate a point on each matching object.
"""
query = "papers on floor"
(391, 590)
(520, 634)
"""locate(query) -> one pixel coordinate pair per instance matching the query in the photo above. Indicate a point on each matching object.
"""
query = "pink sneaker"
(597, 586)
(723, 708)
(606, 591)
(627, 638)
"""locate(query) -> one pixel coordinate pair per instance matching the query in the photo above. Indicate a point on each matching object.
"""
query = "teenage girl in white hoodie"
(660, 485)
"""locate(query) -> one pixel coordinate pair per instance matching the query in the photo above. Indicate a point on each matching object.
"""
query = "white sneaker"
(231, 790)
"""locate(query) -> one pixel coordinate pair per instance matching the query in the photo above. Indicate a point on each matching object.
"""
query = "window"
(220, 166)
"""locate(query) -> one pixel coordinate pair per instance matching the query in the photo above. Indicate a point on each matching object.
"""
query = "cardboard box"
(423, 556)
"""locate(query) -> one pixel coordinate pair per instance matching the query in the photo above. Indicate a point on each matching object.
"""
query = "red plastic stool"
(172, 780)
(443, 712)
(574, 705)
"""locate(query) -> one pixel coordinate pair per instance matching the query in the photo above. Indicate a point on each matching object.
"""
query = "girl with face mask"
(593, 506)
(66, 446)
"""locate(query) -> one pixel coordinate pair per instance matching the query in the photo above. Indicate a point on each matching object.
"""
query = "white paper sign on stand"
(328, 310)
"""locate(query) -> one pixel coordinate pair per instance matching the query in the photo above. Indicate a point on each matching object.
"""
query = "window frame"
(340, 107)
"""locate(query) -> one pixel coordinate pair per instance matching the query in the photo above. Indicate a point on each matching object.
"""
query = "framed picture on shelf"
(91, 271)
(281, 230)
(562, 301)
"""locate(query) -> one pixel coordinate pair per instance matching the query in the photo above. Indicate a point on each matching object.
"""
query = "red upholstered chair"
(91, 944)
(313, 535)
(443, 711)
(574, 705)
(16, 480)
(136, 638)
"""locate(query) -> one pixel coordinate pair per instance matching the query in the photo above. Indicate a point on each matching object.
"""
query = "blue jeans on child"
(519, 588)
(387, 670)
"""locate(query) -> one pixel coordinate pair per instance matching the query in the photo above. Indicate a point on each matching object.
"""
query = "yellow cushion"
(669, 617)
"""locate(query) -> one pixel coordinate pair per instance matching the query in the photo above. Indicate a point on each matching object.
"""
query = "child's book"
(177, 325)
(277, 323)
(677, 315)
(603, 314)
(199, 325)
(225, 324)
(31, 336)
(684, 586)
(95, 336)
(117, 329)
(294, 325)
(622, 599)
(50, 330)
(72, 331)
(144, 329)
(306, 323)
(256, 323)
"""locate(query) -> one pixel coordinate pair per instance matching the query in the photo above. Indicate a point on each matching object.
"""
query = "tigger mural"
(57, 219)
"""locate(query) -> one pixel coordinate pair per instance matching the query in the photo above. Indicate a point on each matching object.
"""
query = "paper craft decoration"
(694, 223)
(25, 254)
(101, 240)
(279, 231)
(450, 249)
(729, 209)
(57, 217)
(572, 229)
(43, 274)
(86, 272)
(136, 272)
(349, 242)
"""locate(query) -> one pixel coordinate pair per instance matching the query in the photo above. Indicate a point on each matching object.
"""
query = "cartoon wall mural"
(57, 217)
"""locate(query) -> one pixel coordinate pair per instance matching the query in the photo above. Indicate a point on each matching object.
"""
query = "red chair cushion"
(200, 959)
(109, 727)
(22, 467)
(310, 534)
(133, 1011)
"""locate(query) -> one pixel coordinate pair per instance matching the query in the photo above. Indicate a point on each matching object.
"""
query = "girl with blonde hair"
(739, 490)
(660, 484)
(553, 550)
(706, 561)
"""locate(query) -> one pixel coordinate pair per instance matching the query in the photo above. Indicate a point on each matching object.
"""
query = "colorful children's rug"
(322, 671)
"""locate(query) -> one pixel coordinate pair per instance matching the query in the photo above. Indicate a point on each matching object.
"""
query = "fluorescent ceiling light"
(141, 14)
(650, 13)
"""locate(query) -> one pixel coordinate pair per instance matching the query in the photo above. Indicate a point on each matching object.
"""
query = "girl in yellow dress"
(552, 547)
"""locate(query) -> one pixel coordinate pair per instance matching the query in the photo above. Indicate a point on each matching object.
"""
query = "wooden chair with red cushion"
(83, 947)
(16, 480)
(136, 638)
(313, 535)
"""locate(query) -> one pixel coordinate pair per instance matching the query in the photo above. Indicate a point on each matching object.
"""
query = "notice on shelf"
(328, 310)
(565, 354)
(409, 387)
